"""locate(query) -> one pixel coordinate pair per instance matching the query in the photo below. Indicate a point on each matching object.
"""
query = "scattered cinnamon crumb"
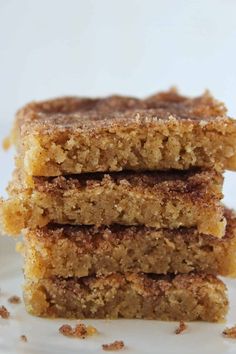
(23, 338)
(14, 299)
(181, 328)
(91, 330)
(20, 247)
(79, 331)
(230, 332)
(6, 143)
(66, 330)
(117, 345)
(4, 313)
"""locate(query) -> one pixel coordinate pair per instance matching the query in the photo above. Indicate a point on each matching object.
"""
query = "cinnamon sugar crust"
(73, 135)
(78, 251)
(157, 199)
(65, 112)
(181, 297)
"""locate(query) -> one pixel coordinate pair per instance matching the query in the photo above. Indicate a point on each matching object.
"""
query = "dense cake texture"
(157, 199)
(73, 135)
(182, 297)
(78, 251)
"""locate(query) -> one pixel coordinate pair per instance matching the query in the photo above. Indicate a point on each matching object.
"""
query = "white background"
(88, 47)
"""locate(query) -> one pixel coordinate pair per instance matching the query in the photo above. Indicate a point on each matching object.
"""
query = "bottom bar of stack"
(186, 297)
(129, 272)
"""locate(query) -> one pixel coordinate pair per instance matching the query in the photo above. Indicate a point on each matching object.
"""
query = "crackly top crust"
(195, 183)
(89, 237)
(190, 181)
(76, 113)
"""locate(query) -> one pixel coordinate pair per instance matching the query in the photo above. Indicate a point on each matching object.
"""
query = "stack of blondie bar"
(119, 201)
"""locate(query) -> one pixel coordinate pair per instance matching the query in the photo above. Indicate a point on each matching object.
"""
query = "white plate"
(144, 337)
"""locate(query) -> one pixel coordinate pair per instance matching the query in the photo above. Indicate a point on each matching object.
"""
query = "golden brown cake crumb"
(23, 338)
(230, 332)
(181, 328)
(117, 345)
(4, 313)
(14, 299)
(79, 331)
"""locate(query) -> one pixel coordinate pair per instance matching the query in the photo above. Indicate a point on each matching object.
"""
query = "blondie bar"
(157, 199)
(187, 297)
(78, 251)
(74, 135)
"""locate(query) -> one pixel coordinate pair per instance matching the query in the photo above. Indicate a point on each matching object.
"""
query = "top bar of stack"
(165, 131)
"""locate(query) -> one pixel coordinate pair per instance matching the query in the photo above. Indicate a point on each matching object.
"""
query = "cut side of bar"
(78, 251)
(181, 297)
(165, 131)
(156, 199)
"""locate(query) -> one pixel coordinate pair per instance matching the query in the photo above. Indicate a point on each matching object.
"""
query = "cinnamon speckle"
(230, 332)
(116, 345)
(23, 338)
(4, 313)
(14, 299)
(181, 328)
